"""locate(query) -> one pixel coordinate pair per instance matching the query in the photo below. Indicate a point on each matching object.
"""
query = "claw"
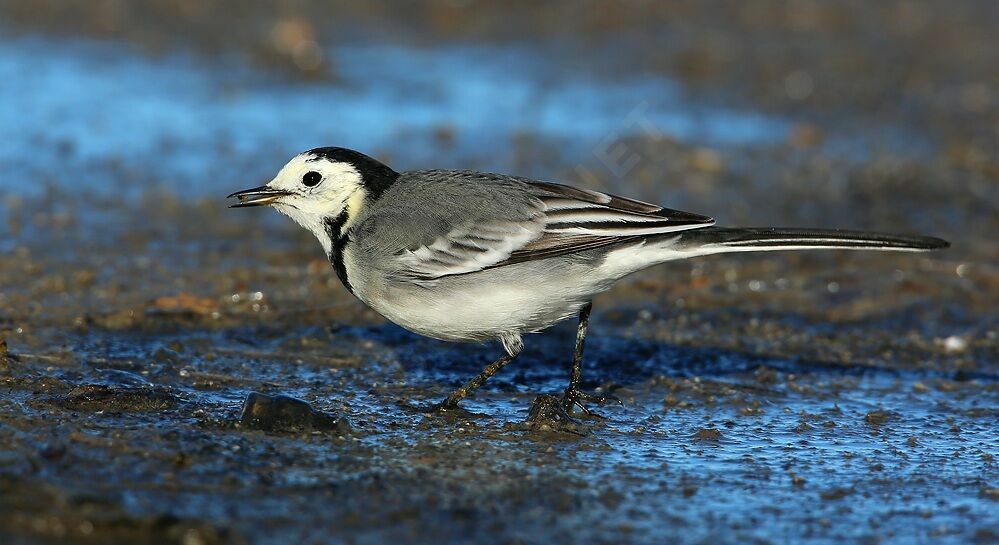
(446, 407)
(574, 397)
(549, 408)
(549, 414)
(441, 408)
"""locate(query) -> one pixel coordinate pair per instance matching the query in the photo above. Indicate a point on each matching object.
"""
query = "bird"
(467, 256)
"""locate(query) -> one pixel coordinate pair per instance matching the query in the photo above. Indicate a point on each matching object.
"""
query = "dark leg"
(470, 386)
(577, 354)
(573, 396)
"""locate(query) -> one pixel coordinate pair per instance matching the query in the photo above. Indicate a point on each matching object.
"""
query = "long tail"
(713, 240)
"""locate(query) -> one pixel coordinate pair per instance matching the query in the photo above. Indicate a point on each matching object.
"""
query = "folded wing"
(580, 219)
(551, 220)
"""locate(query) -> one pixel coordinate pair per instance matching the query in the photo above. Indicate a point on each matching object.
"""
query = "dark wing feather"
(580, 219)
(470, 246)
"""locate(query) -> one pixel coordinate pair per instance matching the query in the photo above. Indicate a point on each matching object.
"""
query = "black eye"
(312, 178)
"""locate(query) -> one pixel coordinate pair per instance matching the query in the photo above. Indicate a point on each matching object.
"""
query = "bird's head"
(322, 189)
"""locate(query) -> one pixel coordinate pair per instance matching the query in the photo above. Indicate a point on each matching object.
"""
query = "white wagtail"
(467, 256)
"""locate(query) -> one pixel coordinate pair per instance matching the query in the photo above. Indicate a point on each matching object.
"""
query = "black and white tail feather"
(591, 215)
(750, 239)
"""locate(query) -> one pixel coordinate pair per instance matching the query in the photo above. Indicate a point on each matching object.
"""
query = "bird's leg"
(470, 386)
(573, 396)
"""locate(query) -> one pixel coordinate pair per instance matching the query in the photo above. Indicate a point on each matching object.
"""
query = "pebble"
(4, 353)
(281, 413)
(954, 344)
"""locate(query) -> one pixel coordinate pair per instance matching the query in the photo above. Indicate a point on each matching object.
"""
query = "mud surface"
(175, 372)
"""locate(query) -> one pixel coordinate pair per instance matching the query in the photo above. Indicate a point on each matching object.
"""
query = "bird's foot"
(440, 408)
(447, 408)
(574, 398)
(548, 413)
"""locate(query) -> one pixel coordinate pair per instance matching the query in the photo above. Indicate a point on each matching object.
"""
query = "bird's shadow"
(546, 361)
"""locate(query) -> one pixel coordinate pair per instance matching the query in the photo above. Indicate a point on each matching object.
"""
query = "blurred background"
(138, 311)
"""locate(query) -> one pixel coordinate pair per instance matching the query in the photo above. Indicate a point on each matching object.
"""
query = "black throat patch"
(339, 239)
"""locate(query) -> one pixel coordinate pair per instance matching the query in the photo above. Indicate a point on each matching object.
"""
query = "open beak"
(258, 196)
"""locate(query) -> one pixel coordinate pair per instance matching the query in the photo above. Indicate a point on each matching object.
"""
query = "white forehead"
(340, 173)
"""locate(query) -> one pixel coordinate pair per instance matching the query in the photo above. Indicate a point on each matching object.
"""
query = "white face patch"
(310, 203)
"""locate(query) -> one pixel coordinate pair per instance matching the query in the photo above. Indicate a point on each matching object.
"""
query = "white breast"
(481, 306)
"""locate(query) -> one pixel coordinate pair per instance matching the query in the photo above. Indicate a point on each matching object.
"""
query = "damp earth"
(172, 371)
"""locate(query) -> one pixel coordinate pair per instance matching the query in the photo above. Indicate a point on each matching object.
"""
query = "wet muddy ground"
(816, 398)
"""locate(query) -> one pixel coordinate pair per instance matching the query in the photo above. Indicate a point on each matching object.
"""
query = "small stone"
(183, 304)
(836, 494)
(117, 399)
(955, 344)
(877, 418)
(286, 414)
(707, 435)
(166, 355)
(4, 356)
(52, 451)
(766, 375)
(753, 409)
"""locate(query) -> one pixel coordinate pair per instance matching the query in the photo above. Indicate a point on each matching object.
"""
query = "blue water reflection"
(199, 124)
